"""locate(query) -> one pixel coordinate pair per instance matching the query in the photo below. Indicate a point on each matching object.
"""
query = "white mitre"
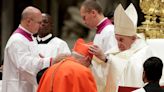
(125, 21)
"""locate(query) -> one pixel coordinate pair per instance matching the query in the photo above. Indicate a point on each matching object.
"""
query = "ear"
(86, 61)
(28, 20)
(144, 78)
(85, 58)
(94, 12)
(88, 58)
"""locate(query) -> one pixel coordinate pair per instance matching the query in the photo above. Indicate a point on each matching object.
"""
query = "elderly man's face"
(124, 42)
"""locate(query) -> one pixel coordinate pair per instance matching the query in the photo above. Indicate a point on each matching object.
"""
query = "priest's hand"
(98, 52)
(59, 58)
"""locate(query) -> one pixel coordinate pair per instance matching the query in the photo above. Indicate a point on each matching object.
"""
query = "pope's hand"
(97, 51)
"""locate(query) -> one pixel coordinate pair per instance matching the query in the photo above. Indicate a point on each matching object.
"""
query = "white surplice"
(21, 64)
(54, 47)
(105, 40)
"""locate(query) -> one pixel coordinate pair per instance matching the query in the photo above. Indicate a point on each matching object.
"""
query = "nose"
(42, 24)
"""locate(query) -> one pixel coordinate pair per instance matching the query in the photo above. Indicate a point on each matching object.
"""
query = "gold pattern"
(153, 10)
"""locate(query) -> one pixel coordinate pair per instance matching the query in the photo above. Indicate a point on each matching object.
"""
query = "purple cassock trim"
(24, 33)
(102, 25)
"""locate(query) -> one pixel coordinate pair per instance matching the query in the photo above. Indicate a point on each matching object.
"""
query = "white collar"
(25, 29)
(146, 83)
(44, 38)
(101, 21)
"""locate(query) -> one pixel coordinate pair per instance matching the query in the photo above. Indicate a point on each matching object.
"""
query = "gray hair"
(77, 55)
(92, 5)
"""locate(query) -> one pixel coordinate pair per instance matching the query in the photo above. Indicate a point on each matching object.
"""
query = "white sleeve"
(25, 61)
(64, 48)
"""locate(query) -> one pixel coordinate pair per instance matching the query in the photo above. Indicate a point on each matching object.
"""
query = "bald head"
(31, 19)
(30, 12)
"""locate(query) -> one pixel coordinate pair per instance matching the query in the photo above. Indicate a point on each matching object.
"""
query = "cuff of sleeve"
(51, 61)
(46, 62)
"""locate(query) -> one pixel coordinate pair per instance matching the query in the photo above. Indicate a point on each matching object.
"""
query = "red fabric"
(126, 89)
(69, 76)
(82, 47)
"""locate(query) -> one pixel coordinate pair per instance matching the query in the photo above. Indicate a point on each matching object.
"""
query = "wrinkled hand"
(97, 51)
(60, 57)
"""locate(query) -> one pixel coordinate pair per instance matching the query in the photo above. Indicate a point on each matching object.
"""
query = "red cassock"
(67, 76)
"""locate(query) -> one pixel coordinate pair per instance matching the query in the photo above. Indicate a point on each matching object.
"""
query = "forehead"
(45, 18)
(122, 36)
(118, 35)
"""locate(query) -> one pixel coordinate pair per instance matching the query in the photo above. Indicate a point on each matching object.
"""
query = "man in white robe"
(124, 63)
(93, 17)
(48, 44)
(21, 57)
